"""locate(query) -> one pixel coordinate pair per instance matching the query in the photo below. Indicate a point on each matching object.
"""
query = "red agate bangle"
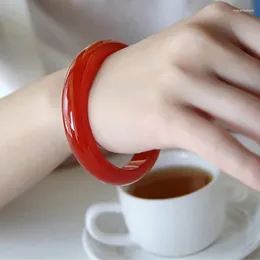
(75, 101)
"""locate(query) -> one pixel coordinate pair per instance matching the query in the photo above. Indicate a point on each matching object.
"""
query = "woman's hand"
(163, 91)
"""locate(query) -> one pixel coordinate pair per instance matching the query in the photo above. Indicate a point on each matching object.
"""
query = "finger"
(226, 103)
(246, 29)
(243, 26)
(237, 67)
(237, 59)
(200, 136)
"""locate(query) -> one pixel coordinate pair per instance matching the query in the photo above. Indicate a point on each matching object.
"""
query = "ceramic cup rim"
(214, 172)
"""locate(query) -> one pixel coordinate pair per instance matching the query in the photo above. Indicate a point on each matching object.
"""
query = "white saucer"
(240, 237)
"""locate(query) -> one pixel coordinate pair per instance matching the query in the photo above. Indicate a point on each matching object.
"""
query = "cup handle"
(93, 213)
(235, 193)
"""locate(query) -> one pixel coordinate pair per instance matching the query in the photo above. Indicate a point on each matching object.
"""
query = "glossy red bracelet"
(75, 101)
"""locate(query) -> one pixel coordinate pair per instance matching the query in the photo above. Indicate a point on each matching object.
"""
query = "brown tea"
(170, 183)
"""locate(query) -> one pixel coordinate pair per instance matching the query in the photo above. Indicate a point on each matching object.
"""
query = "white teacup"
(168, 227)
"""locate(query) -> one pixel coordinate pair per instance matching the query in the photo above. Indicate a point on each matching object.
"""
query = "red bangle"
(75, 100)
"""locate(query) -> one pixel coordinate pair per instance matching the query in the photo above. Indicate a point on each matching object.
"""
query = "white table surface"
(47, 221)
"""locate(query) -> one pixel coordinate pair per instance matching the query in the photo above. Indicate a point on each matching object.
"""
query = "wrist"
(50, 92)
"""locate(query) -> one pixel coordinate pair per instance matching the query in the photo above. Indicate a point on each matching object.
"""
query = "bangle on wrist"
(75, 101)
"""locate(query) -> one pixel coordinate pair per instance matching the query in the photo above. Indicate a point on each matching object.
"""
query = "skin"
(32, 139)
(151, 93)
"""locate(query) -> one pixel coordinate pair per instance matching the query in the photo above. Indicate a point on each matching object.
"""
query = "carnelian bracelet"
(75, 101)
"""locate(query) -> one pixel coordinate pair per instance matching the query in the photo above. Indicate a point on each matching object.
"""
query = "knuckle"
(198, 36)
(222, 6)
(182, 76)
(194, 31)
(219, 10)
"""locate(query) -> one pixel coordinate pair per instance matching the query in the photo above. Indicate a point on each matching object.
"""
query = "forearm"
(32, 139)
